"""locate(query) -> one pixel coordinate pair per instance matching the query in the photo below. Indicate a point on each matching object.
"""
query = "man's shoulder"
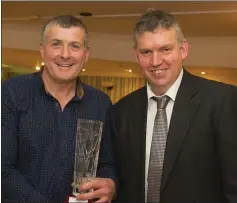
(132, 97)
(18, 90)
(19, 85)
(18, 81)
(206, 85)
(94, 93)
(213, 86)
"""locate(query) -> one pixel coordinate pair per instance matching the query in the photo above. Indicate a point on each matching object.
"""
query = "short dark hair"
(154, 19)
(66, 21)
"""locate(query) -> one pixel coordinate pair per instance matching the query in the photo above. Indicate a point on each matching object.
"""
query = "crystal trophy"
(88, 138)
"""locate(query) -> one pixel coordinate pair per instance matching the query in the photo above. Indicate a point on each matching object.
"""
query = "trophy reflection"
(87, 149)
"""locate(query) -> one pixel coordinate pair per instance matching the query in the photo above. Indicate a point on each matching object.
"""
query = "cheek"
(144, 63)
(50, 55)
(79, 57)
(172, 59)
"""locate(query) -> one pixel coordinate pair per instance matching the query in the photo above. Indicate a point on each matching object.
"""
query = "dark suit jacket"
(200, 164)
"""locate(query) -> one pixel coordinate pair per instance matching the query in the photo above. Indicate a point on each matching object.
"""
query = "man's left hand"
(102, 189)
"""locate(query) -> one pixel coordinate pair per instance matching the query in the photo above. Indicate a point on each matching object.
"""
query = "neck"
(159, 91)
(62, 91)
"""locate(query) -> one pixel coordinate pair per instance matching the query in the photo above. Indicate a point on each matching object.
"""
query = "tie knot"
(161, 101)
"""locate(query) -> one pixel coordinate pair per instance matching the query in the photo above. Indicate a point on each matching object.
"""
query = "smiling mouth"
(64, 65)
(159, 71)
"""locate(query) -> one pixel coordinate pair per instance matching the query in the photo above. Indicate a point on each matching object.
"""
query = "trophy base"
(74, 200)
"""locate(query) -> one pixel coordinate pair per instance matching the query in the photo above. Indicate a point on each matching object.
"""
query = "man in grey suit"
(195, 159)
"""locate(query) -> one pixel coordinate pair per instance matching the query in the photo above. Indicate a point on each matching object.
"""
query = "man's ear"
(42, 50)
(184, 49)
(87, 53)
(135, 53)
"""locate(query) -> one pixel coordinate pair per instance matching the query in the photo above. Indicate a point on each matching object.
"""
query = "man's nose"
(65, 52)
(156, 60)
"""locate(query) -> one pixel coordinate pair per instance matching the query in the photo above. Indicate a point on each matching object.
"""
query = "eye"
(55, 44)
(75, 46)
(145, 52)
(166, 50)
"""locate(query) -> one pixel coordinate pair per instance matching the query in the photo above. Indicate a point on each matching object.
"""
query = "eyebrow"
(72, 42)
(144, 49)
(162, 47)
(55, 40)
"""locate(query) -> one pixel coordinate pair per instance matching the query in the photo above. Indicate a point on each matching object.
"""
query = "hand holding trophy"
(87, 149)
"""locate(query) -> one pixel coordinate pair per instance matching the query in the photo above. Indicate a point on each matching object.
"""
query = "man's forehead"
(158, 31)
(160, 35)
(156, 39)
(56, 27)
(58, 32)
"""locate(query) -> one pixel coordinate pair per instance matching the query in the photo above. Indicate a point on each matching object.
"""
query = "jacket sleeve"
(15, 187)
(106, 163)
(227, 145)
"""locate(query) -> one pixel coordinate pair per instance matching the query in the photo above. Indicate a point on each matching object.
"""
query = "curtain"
(115, 87)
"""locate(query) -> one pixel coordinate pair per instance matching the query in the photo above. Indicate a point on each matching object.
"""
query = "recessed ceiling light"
(203, 73)
(37, 68)
(128, 70)
(85, 14)
(83, 69)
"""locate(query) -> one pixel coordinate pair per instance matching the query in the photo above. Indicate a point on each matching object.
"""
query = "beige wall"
(226, 75)
(203, 51)
(97, 67)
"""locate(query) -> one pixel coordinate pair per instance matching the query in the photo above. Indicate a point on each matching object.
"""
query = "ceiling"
(221, 21)
(197, 19)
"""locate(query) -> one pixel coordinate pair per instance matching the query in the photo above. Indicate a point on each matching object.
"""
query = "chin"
(66, 79)
(160, 83)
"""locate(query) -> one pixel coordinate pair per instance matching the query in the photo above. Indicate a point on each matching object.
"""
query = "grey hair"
(154, 19)
(66, 21)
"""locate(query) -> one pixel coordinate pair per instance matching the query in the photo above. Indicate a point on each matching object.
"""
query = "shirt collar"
(79, 89)
(171, 92)
(79, 92)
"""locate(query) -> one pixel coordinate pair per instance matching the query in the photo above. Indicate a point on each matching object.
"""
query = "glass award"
(88, 138)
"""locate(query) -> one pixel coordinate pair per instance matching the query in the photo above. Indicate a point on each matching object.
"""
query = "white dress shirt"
(151, 113)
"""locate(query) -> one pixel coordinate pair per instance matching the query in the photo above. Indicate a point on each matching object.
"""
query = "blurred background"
(209, 27)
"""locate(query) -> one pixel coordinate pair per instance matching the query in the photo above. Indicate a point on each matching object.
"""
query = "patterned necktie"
(157, 150)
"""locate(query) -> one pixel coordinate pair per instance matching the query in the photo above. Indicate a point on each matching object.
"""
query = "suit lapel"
(138, 130)
(137, 116)
(184, 109)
